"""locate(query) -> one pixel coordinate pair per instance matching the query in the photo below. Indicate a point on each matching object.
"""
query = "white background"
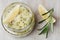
(34, 6)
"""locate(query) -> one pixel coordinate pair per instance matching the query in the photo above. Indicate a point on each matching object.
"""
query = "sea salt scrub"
(18, 19)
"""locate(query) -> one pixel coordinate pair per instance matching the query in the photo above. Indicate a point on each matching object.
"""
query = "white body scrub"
(18, 19)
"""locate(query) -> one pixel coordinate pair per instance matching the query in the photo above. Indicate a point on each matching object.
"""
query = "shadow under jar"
(18, 19)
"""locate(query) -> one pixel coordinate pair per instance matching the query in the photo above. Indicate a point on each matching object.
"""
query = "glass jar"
(18, 32)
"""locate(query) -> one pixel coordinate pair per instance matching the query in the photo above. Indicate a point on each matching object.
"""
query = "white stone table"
(34, 5)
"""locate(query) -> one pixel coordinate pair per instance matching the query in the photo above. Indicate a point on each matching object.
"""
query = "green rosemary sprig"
(49, 24)
(45, 29)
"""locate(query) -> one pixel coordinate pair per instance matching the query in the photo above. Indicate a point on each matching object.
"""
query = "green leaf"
(51, 10)
(44, 30)
(51, 24)
(47, 34)
(43, 27)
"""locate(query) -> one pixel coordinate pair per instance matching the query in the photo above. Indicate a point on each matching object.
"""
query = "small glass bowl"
(26, 30)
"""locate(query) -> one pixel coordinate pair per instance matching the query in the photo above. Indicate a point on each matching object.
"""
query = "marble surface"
(34, 6)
